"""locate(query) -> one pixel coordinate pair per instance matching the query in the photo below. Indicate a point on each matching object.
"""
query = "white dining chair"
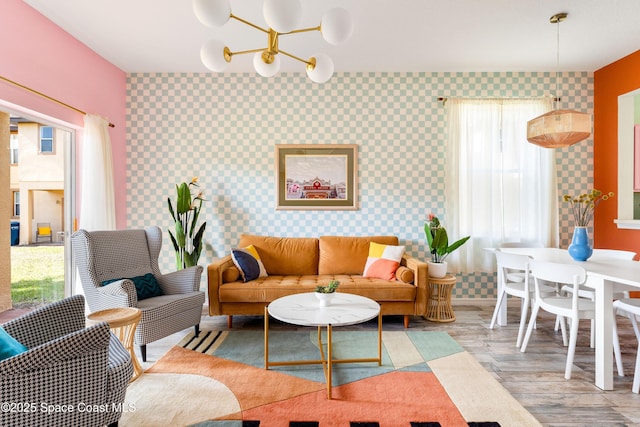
(629, 307)
(512, 269)
(589, 293)
(567, 306)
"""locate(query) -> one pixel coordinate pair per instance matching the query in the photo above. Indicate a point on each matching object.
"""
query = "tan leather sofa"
(299, 264)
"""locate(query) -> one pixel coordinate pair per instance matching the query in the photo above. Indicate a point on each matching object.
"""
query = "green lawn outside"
(37, 275)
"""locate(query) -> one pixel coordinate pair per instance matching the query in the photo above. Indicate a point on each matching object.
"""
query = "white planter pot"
(325, 299)
(437, 269)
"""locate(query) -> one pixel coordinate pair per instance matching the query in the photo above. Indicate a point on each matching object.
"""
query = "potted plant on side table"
(439, 247)
(326, 293)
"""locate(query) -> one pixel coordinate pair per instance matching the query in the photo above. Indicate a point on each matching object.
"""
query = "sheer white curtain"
(499, 187)
(98, 208)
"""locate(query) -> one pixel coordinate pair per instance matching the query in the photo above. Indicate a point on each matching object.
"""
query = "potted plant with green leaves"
(325, 293)
(438, 243)
(187, 241)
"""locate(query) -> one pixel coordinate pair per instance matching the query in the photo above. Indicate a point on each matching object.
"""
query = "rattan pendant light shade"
(559, 128)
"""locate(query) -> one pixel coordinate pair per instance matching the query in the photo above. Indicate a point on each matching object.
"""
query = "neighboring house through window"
(16, 203)
(13, 143)
(46, 140)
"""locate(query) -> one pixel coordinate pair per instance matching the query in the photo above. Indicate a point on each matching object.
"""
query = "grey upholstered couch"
(66, 372)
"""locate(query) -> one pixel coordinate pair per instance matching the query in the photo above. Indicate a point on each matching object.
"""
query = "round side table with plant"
(439, 247)
(325, 293)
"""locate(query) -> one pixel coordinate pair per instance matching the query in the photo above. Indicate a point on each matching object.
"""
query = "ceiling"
(389, 35)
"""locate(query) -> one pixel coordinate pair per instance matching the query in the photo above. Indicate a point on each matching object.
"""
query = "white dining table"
(604, 274)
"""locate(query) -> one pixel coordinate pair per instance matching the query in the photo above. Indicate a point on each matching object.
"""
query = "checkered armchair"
(122, 254)
(66, 364)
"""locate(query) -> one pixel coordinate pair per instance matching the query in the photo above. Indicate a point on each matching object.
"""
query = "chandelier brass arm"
(311, 63)
(268, 54)
(251, 24)
(303, 30)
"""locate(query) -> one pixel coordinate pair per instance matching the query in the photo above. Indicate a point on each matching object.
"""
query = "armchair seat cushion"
(169, 305)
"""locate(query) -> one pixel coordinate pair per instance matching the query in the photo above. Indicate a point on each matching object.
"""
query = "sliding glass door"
(42, 184)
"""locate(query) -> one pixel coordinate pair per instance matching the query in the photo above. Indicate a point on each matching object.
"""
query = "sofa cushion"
(247, 260)
(285, 255)
(383, 261)
(347, 255)
(267, 289)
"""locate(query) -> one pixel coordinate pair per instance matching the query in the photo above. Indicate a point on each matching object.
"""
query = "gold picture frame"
(317, 176)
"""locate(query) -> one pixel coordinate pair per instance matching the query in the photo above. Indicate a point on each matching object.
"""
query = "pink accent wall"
(37, 53)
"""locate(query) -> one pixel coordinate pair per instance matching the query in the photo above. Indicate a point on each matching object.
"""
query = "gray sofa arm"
(49, 322)
(181, 281)
(121, 293)
(85, 343)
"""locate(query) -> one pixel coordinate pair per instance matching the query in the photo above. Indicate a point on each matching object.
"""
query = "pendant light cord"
(557, 95)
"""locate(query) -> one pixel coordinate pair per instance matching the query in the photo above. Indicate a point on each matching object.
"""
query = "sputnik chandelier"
(282, 17)
(558, 128)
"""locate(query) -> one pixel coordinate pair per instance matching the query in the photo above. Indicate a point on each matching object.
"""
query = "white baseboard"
(484, 302)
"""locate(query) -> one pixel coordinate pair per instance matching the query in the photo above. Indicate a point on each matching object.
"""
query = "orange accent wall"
(609, 82)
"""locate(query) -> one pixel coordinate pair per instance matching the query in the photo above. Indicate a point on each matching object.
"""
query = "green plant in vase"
(325, 294)
(328, 289)
(438, 242)
(187, 241)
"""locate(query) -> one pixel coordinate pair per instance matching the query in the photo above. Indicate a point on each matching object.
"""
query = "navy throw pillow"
(146, 286)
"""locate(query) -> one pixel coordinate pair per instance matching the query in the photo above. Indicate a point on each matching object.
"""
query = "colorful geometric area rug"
(218, 380)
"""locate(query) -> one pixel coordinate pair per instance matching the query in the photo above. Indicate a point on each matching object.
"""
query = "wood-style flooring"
(535, 378)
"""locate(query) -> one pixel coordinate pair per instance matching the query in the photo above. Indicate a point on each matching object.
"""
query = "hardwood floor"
(535, 378)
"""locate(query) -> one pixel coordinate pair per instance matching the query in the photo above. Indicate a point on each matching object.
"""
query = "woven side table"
(439, 299)
(123, 322)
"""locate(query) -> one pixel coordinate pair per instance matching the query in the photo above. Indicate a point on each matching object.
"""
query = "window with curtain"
(499, 187)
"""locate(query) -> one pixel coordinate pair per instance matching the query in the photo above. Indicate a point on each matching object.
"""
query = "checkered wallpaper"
(223, 129)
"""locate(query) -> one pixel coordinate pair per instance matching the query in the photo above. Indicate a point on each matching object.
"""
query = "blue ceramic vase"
(580, 248)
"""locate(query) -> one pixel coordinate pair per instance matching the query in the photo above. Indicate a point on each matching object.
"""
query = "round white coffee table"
(305, 310)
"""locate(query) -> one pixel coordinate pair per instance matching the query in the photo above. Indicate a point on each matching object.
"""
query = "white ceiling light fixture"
(559, 128)
(282, 17)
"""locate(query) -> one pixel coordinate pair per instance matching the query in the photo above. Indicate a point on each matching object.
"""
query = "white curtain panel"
(97, 200)
(499, 187)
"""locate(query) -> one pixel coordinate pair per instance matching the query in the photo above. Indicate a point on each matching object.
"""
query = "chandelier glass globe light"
(283, 18)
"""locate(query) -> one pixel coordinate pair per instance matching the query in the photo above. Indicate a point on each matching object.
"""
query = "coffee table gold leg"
(329, 361)
(266, 337)
(380, 338)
